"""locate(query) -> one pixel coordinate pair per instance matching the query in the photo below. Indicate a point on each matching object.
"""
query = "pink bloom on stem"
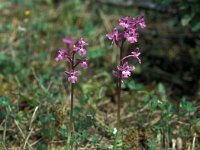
(131, 35)
(72, 79)
(115, 36)
(76, 47)
(123, 71)
(126, 74)
(61, 55)
(126, 70)
(82, 51)
(68, 41)
(81, 43)
(72, 76)
(125, 67)
(58, 58)
(142, 22)
(125, 22)
(84, 64)
(134, 54)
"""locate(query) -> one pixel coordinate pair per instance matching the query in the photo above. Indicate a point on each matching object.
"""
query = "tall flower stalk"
(127, 33)
(74, 54)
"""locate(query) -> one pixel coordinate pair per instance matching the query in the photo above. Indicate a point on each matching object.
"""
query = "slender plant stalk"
(71, 121)
(77, 47)
(71, 108)
(72, 99)
(119, 81)
(130, 34)
(118, 101)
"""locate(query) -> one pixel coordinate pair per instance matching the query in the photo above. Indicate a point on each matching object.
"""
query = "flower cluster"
(72, 48)
(129, 32)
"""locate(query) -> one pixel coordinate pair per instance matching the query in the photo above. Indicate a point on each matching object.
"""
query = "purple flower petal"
(84, 64)
(136, 54)
(115, 36)
(68, 41)
(62, 53)
(126, 74)
(142, 22)
(72, 79)
(125, 22)
(82, 51)
(123, 70)
(81, 43)
(131, 35)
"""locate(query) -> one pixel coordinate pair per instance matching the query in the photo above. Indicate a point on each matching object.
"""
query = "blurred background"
(31, 33)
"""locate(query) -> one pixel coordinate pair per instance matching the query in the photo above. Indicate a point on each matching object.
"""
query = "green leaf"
(196, 122)
(153, 103)
(8, 65)
(133, 85)
(76, 111)
(46, 118)
(95, 140)
(151, 144)
(162, 90)
(2, 6)
(186, 106)
(166, 2)
(170, 108)
(195, 23)
(94, 53)
(81, 138)
(83, 100)
(186, 19)
(41, 146)
(63, 131)
(4, 101)
(146, 99)
(118, 142)
(83, 123)
(48, 132)
(85, 134)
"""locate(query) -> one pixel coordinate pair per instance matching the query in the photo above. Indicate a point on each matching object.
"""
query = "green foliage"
(83, 100)
(95, 140)
(189, 12)
(4, 105)
(46, 118)
(151, 145)
(162, 91)
(82, 137)
(4, 101)
(8, 66)
(186, 107)
(63, 131)
(118, 141)
(30, 78)
(95, 53)
(153, 103)
(132, 85)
